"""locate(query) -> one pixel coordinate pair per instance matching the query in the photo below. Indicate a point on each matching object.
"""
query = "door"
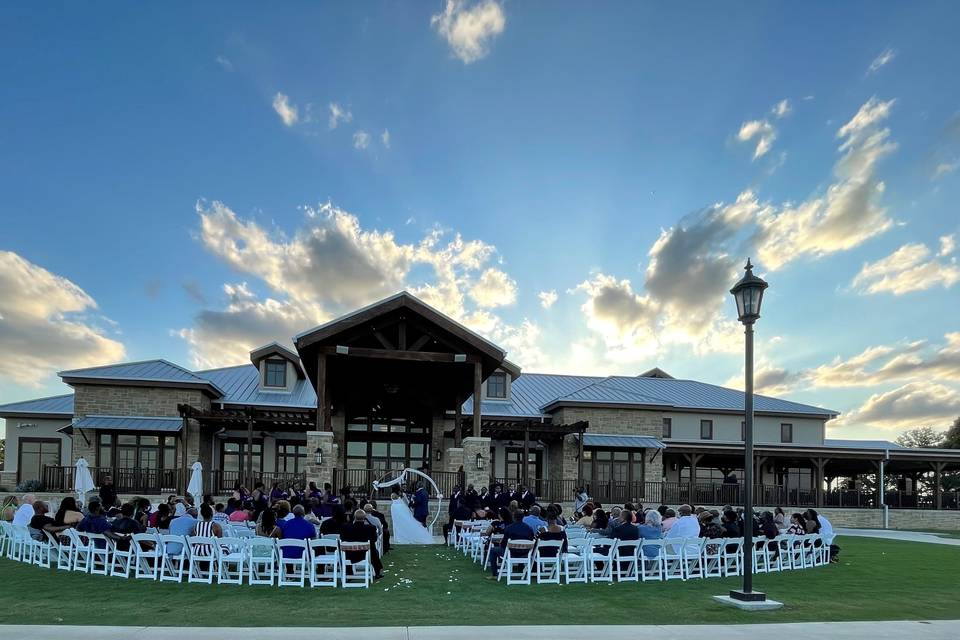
(514, 468)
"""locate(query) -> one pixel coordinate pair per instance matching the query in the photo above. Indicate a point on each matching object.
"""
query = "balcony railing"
(157, 481)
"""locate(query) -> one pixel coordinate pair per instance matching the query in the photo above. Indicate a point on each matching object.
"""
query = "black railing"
(360, 481)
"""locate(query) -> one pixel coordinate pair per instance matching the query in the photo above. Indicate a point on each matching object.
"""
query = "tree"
(921, 437)
(3, 452)
(951, 438)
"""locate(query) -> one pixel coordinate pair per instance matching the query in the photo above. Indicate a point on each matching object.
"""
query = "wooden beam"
(457, 419)
(938, 483)
(250, 448)
(477, 382)
(382, 339)
(186, 479)
(402, 335)
(419, 342)
(526, 456)
(323, 400)
(388, 354)
(579, 458)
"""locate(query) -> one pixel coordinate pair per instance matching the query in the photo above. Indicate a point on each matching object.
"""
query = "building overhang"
(208, 388)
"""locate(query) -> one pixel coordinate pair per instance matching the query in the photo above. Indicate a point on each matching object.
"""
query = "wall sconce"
(479, 462)
(318, 456)
(439, 455)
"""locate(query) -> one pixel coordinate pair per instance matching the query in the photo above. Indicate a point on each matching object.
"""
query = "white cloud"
(385, 138)
(881, 60)
(761, 130)
(624, 320)
(909, 268)
(781, 109)
(361, 139)
(915, 361)
(43, 324)
(947, 245)
(224, 63)
(944, 168)
(332, 265)
(468, 27)
(337, 115)
(288, 112)
(917, 404)
(547, 298)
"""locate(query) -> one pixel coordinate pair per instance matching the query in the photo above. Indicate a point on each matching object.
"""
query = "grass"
(875, 580)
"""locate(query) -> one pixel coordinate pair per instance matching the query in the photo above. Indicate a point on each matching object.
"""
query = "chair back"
(324, 546)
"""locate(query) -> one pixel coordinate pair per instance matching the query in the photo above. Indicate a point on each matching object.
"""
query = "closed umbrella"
(195, 488)
(82, 480)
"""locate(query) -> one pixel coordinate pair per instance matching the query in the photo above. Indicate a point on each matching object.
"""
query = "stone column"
(323, 472)
(453, 459)
(471, 447)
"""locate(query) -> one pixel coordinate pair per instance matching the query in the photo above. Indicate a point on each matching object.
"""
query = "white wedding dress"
(405, 528)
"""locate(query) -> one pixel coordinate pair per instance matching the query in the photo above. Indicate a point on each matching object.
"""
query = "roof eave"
(212, 389)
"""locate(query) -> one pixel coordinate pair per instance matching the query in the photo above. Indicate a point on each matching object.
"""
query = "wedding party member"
(361, 531)
(406, 529)
(386, 526)
(420, 504)
(453, 506)
(527, 497)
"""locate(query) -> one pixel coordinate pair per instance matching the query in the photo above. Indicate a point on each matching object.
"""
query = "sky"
(580, 183)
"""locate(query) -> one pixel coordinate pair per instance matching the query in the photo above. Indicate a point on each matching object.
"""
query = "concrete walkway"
(936, 630)
(908, 536)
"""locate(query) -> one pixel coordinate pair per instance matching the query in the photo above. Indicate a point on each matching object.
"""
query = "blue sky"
(175, 185)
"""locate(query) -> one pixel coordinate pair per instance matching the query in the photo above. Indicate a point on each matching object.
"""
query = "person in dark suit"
(420, 504)
(456, 498)
(484, 497)
(362, 531)
(527, 497)
(622, 528)
(499, 497)
(471, 499)
(514, 531)
(512, 495)
(386, 527)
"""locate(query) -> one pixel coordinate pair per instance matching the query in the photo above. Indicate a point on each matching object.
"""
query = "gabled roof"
(146, 372)
(241, 385)
(656, 372)
(53, 406)
(275, 348)
(529, 392)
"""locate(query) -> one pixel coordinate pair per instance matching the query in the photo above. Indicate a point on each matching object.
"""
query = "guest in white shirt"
(686, 526)
(25, 512)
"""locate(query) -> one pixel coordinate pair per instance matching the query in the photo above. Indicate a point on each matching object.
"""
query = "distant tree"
(951, 438)
(921, 437)
(3, 452)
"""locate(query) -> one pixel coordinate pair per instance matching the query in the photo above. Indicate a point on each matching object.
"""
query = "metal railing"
(360, 482)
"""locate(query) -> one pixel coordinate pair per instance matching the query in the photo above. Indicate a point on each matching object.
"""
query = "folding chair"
(519, 554)
(652, 567)
(292, 571)
(46, 551)
(355, 574)
(324, 562)
(575, 561)
(760, 556)
(547, 567)
(121, 559)
(601, 553)
(673, 559)
(824, 550)
(495, 540)
(775, 555)
(147, 555)
(202, 558)
(83, 556)
(262, 559)
(230, 554)
(785, 540)
(6, 536)
(713, 558)
(99, 554)
(693, 557)
(625, 561)
(732, 556)
(20, 546)
(173, 558)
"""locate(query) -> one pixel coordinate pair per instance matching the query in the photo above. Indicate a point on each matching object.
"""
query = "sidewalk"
(907, 536)
(935, 630)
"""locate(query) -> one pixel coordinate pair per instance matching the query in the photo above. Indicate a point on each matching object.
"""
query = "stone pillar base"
(323, 472)
(471, 447)
(454, 458)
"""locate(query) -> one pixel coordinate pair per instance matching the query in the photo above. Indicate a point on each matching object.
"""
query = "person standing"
(420, 504)
(108, 493)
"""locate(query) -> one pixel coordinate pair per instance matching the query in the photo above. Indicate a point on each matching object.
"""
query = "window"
(233, 457)
(275, 373)
(291, 456)
(786, 432)
(668, 427)
(497, 385)
(125, 451)
(706, 429)
(34, 454)
(743, 430)
(615, 469)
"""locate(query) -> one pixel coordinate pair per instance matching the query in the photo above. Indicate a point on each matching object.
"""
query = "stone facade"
(329, 458)
(471, 447)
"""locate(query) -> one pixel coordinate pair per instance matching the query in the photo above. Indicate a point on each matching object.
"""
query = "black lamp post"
(748, 293)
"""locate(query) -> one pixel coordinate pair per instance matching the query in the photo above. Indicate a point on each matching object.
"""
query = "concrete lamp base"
(754, 601)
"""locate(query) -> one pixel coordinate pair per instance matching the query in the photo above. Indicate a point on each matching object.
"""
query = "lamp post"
(748, 293)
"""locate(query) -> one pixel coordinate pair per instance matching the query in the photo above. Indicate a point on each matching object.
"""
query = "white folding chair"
(518, 555)
(99, 554)
(547, 566)
(775, 556)
(120, 559)
(83, 556)
(809, 550)
(732, 556)
(652, 561)
(713, 558)
(147, 555)
(760, 556)
(625, 560)
(231, 557)
(21, 548)
(823, 555)
(575, 560)
(324, 562)
(292, 571)
(6, 534)
(673, 559)
(693, 557)
(494, 541)
(354, 574)
(173, 558)
(46, 551)
(202, 558)
(600, 560)
(262, 559)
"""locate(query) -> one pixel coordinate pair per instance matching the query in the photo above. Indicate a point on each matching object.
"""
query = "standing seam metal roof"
(52, 405)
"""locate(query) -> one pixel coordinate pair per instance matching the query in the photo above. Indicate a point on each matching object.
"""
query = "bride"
(405, 528)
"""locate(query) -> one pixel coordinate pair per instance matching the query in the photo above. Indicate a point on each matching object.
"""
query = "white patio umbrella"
(195, 488)
(82, 480)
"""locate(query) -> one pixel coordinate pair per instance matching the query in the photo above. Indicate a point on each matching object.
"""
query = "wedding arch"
(401, 478)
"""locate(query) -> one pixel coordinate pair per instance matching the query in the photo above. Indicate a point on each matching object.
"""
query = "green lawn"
(875, 580)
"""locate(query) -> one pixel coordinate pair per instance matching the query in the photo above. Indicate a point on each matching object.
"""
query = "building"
(398, 384)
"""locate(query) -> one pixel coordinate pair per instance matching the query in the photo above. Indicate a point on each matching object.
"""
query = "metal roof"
(630, 442)
(129, 423)
(599, 392)
(241, 385)
(529, 392)
(862, 444)
(54, 405)
(146, 370)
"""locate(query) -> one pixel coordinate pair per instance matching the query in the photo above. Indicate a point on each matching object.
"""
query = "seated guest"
(206, 526)
(24, 513)
(362, 531)
(517, 530)
(825, 528)
(162, 511)
(283, 510)
(243, 513)
(553, 531)
(770, 532)
(600, 520)
(499, 522)
(560, 519)
(334, 524)
(811, 521)
(614, 515)
(668, 518)
(798, 526)
(386, 526)
(219, 514)
(309, 512)
(708, 527)
(68, 513)
(686, 524)
(296, 528)
(373, 520)
(730, 524)
(94, 521)
(141, 511)
(779, 518)
(41, 522)
(622, 528)
(276, 493)
(267, 527)
(650, 530)
(534, 521)
(182, 525)
(586, 520)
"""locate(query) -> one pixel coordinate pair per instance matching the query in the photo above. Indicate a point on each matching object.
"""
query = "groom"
(420, 501)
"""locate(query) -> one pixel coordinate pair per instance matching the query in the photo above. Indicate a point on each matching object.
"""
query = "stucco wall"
(726, 427)
(31, 428)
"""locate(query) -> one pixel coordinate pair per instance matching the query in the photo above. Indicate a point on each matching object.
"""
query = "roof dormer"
(279, 367)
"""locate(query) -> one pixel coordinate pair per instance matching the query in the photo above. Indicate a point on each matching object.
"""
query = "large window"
(708, 475)
(786, 432)
(291, 456)
(34, 454)
(132, 451)
(497, 385)
(275, 373)
(376, 443)
(233, 456)
(668, 427)
(706, 429)
(613, 466)
(514, 464)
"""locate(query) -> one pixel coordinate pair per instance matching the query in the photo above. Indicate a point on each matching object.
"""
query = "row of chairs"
(590, 558)
(170, 558)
